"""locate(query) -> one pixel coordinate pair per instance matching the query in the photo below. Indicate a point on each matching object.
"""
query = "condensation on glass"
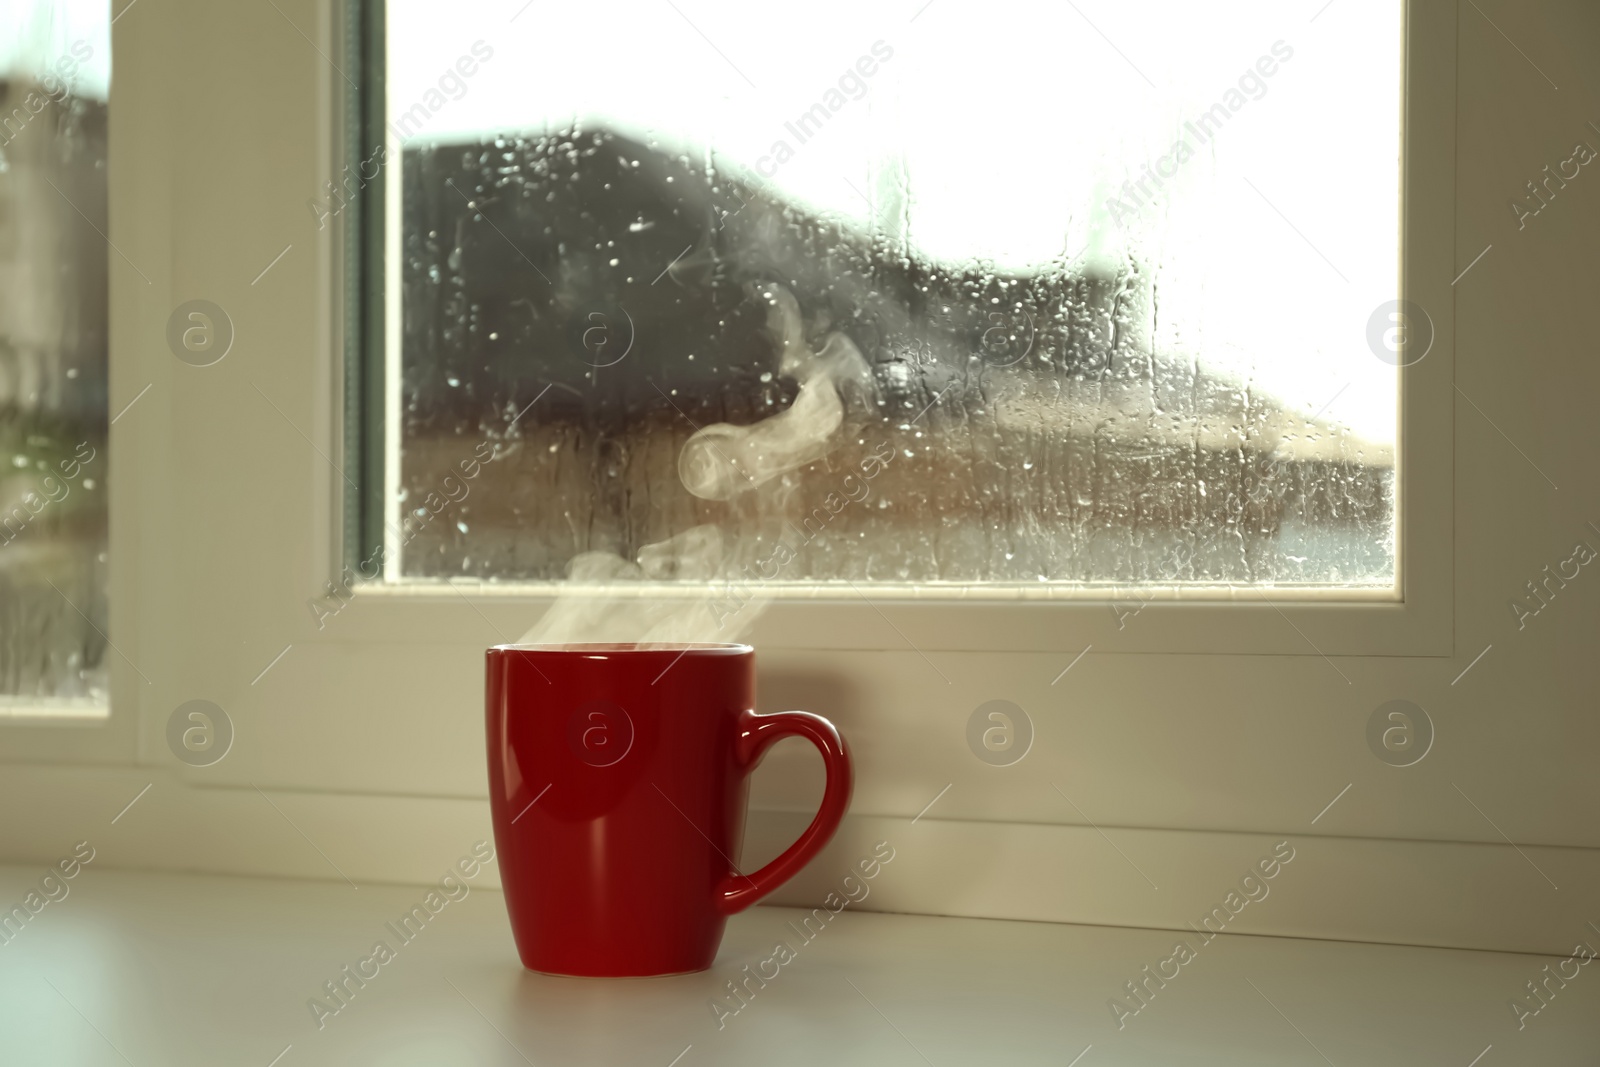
(54, 73)
(969, 299)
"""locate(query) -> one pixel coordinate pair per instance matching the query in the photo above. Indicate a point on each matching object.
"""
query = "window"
(54, 78)
(227, 535)
(236, 530)
(1007, 298)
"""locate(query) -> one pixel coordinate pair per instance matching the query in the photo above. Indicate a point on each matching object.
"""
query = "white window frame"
(1412, 618)
(1191, 739)
(254, 442)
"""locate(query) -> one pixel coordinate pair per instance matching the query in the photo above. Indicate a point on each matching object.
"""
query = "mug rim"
(630, 648)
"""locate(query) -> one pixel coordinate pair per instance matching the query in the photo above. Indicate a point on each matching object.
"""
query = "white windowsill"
(181, 969)
(46, 711)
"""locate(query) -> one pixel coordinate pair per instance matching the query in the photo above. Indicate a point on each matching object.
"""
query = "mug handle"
(757, 733)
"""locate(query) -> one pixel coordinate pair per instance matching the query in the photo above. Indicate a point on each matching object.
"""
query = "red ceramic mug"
(618, 776)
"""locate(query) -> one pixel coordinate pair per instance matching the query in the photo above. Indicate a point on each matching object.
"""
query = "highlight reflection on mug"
(600, 732)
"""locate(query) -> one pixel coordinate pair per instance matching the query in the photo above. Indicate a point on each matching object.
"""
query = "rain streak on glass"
(968, 300)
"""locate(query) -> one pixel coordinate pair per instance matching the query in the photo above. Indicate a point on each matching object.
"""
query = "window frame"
(1412, 618)
(247, 459)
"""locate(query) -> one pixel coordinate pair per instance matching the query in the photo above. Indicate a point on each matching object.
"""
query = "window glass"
(54, 74)
(1016, 295)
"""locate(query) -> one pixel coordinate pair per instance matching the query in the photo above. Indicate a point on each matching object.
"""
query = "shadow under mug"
(618, 781)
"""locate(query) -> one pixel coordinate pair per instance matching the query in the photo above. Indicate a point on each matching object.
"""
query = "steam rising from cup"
(721, 461)
(606, 598)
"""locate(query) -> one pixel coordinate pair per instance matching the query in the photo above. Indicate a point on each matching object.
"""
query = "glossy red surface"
(618, 777)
